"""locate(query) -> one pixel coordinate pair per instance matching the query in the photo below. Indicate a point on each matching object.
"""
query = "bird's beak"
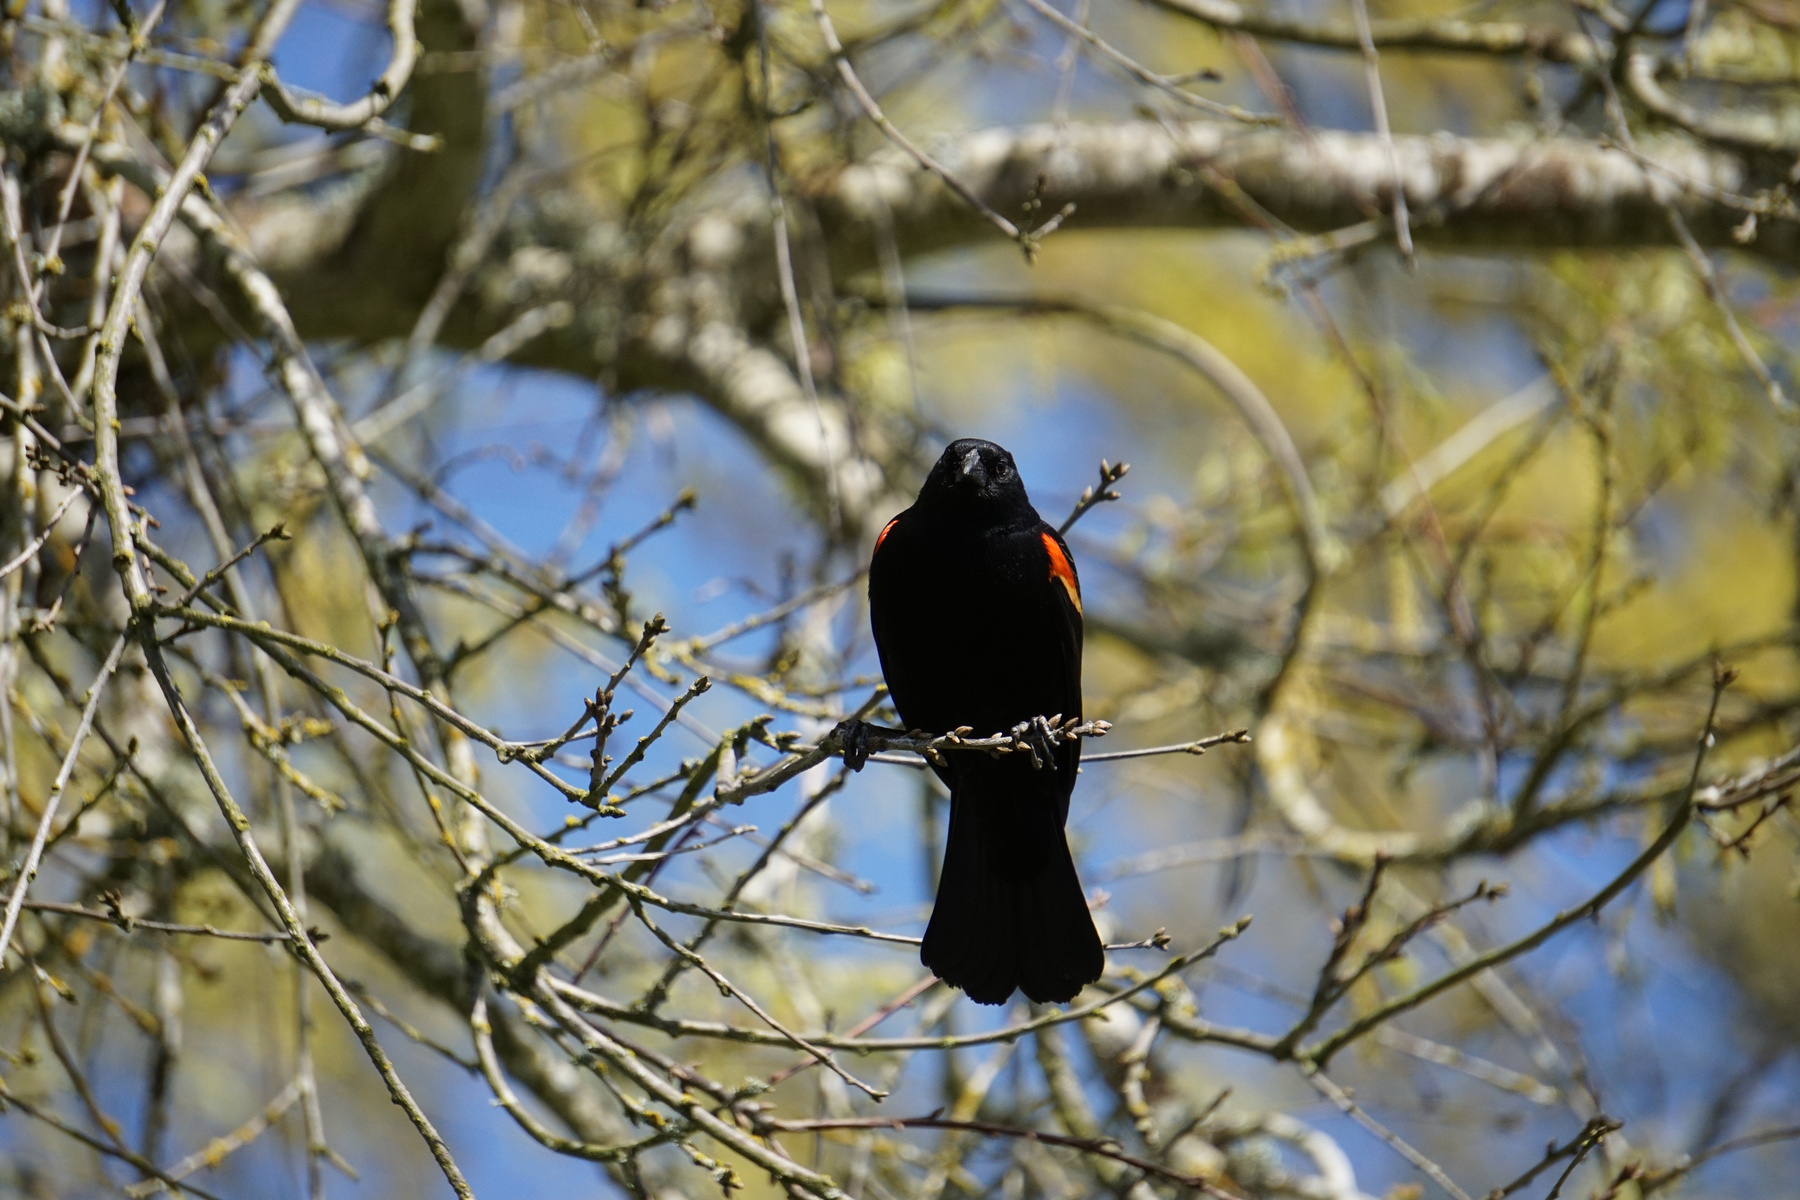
(971, 466)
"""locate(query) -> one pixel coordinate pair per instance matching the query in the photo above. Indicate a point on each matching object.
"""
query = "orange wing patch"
(885, 530)
(1061, 570)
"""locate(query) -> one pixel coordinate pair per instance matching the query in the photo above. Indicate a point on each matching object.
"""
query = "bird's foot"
(853, 736)
(1044, 730)
(1037, 738)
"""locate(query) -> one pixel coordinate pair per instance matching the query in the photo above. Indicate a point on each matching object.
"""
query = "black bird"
(976, 609)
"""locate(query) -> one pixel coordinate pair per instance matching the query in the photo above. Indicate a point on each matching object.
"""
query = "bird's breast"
(970, 632)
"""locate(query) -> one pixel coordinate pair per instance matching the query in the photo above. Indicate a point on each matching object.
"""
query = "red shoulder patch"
(885, 530)
(1062, 570)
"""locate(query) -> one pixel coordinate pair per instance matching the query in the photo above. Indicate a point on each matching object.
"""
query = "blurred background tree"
(396, 398)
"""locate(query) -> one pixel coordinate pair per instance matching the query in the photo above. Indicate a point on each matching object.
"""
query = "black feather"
(974, 628)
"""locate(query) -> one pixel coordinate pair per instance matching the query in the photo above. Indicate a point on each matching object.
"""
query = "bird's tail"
(1010, 910)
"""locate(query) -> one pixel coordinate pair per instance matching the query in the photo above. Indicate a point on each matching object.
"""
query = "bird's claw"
(853, 736)
(1035, 737)
(1042, 729)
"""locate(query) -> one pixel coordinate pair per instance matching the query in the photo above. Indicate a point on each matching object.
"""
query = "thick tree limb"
(1443, 35)
(1487, 193)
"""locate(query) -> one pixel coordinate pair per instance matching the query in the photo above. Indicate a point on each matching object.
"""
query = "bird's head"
(975, 474)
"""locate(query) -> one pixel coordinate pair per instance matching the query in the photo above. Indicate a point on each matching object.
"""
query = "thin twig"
(1378, 105)
(893, 134)
(1167, 85)
(37, 543)
(220, 1148)
(128, 924)
(28, 871)
(1092, 498)
(1322, 1053)
(1102, 1147)
(1197, 747)
(1355, 1112)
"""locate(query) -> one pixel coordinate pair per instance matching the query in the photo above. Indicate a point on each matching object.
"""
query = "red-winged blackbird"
(977, 616)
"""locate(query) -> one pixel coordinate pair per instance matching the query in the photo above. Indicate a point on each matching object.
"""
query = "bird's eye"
(1003, 470)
